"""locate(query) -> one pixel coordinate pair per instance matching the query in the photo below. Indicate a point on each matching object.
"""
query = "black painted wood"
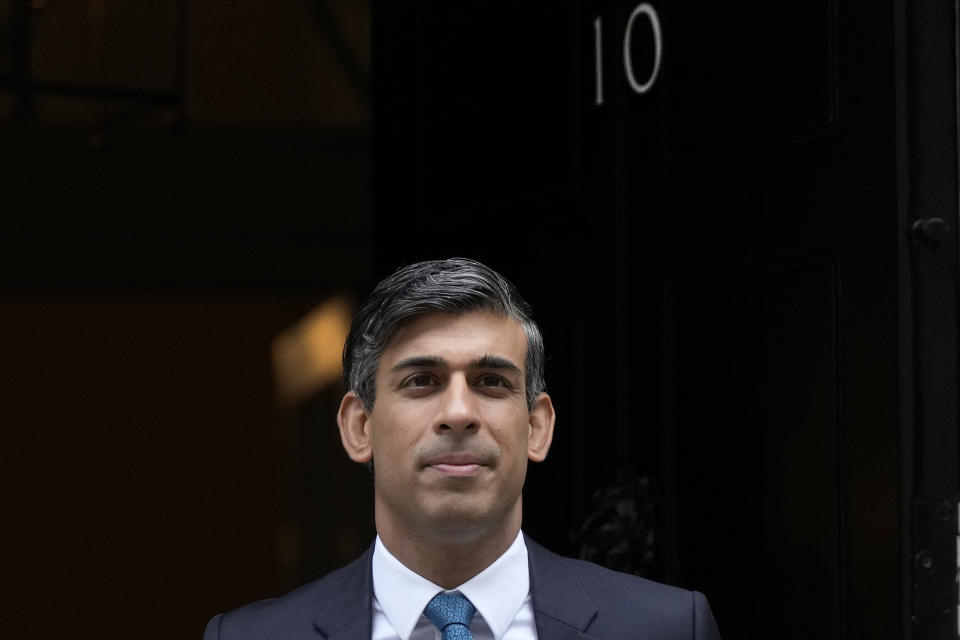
(928, 178)
(755, 434)
(720, 264)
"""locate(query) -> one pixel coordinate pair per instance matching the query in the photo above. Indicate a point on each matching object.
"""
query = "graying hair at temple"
(456, 285)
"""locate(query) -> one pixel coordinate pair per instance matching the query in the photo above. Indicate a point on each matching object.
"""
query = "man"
(446, 401)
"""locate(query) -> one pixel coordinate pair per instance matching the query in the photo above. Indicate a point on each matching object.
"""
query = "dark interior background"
(748, 303)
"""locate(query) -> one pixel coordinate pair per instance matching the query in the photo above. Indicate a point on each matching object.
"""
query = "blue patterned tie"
(451, 613)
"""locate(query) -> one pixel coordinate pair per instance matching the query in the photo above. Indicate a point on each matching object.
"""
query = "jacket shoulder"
(599, 580)
(609, 586)
(623, 605)
(324, 604)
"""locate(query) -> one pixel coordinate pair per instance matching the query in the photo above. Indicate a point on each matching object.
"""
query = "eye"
(491, 380)
(419, 380)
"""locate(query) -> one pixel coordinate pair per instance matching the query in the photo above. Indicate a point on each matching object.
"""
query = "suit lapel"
(563, 610)
(552, 629)
(345, 605)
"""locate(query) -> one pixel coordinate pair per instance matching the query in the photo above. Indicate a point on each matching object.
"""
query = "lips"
(463, 463)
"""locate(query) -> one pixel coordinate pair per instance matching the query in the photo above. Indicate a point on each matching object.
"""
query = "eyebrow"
(494, 362)
(436, 362)
(420, 361)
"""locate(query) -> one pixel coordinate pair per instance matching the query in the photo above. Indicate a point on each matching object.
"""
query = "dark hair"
(456, 285)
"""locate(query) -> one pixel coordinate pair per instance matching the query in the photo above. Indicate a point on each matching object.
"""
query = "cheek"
(395, 440)
(513, 434)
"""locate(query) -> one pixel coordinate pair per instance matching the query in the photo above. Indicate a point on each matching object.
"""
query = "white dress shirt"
(501, 594)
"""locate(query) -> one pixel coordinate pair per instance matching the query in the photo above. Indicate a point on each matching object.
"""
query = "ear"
(542, 417)
(354, 423)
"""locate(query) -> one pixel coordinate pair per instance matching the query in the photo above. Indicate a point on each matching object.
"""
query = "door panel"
(753, 418)
(747, 75)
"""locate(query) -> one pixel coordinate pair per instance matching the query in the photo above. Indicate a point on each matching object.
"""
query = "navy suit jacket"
(572, 600)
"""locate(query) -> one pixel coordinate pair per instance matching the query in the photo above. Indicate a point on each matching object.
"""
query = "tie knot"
(449, 608)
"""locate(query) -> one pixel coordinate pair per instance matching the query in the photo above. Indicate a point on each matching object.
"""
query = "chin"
(462, 520)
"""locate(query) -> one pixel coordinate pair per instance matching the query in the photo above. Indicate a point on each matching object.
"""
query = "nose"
(458, 412)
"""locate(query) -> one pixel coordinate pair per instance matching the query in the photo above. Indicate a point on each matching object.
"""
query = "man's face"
(450, 431)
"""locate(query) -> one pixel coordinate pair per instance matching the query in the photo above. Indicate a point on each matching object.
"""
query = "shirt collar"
(497, 592)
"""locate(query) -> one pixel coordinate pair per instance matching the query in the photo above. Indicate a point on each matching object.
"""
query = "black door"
(710, 209)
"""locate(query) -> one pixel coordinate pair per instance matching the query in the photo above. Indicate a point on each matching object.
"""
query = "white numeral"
(598, 57)
(643, 9)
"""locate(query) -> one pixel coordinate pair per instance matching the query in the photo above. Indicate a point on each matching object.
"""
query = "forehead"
(458, 336)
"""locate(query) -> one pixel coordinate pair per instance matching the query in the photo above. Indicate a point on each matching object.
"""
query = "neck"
(448, 560)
